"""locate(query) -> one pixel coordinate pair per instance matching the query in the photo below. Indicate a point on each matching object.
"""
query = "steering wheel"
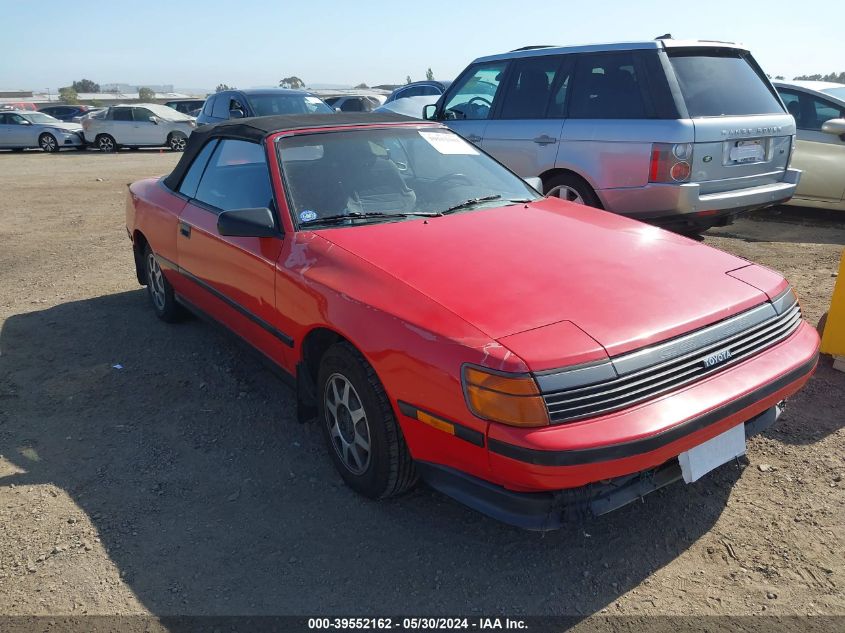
(484, 101)
(456, 177)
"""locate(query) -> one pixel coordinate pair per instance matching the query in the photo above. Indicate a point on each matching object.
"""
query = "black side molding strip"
(581, 456)
(460, 431)
(284, 338)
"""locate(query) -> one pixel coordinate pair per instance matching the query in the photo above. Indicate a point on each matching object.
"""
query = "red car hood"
(511, 269)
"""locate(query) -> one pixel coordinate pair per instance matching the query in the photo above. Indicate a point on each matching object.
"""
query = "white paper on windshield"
(448, 143)
(312, 100)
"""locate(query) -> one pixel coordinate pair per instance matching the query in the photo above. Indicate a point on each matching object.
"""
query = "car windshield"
(270, 104)
(383, 174)
(165, 112)
(39, 117)
(836, 92)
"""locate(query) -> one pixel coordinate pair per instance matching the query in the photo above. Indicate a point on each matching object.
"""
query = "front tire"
(573, 189)
(159, 289)
(48, 143)
(363, 437)
(105, 143)
(177, 142)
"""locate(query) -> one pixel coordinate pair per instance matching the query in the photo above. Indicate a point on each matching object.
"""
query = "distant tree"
(222, 87)
(429, 74)
(291, 82)
(361, 86)
(408, 79)
(68, 95)
(85, 85)
(838, 78)
(779, 78)
(146, 94)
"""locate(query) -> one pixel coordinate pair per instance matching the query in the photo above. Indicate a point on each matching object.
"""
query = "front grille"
(637, 386)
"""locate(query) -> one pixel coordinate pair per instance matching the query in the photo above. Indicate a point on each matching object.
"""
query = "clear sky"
(245, 43)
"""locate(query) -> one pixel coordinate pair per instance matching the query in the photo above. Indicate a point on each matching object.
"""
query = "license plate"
(700, 460)
(748, 151)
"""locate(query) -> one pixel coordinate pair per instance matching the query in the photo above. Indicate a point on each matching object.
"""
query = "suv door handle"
(185, 229)
(474, 138)
(545, 139)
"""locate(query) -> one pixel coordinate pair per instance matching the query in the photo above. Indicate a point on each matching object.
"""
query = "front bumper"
(685, 201)
(543, 511)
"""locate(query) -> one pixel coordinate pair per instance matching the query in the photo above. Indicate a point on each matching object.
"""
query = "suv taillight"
(670, 162)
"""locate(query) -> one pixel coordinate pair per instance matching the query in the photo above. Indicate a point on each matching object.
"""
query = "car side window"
(606, 86)
(3, 120)
(820, 111)
(475, 96)
(529, 87)
(792, 101)
(121, 114)
(14, 119)
(191, 180)
(236, 177)
(209, 104)
(221, 107)
(141, 115)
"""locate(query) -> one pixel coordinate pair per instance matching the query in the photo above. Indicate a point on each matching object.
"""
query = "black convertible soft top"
(257, 128)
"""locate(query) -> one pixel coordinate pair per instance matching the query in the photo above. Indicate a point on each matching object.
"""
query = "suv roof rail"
(531, 48)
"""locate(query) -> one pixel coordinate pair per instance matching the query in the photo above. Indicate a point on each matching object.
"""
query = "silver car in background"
(138, 125)
(22, 129)
(819, 111)
(686, 134)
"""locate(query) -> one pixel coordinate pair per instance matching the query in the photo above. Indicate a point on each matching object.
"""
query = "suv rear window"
(722, 82)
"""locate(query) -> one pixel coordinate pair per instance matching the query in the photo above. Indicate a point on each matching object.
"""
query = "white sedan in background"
(138, 125)
(21, 129)
(819, 111)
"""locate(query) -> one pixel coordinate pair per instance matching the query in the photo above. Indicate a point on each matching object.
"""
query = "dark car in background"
(428, 88)
(68, 113)
(239, 104)
(185, 106)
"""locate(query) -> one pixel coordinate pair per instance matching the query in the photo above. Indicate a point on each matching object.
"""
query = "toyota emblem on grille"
(717, 358)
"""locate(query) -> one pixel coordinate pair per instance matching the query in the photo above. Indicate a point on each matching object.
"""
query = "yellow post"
(833, 338)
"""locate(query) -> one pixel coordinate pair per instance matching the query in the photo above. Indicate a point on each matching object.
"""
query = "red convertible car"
(530, 357)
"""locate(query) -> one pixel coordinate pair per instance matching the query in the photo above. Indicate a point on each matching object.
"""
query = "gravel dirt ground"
(181, 482)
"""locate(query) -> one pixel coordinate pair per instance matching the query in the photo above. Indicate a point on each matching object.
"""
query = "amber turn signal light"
(510, 399)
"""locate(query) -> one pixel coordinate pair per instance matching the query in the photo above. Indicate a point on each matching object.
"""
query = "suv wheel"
(572, 188)
(105, 143)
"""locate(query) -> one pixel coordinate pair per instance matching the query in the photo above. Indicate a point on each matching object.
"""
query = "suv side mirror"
(247, 223)
(236, 114)
(429, 111)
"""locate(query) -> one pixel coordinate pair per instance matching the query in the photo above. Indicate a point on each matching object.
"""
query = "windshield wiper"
(357, 215)
(470, 202)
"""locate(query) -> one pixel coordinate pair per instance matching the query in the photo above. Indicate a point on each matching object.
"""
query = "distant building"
(125, 88)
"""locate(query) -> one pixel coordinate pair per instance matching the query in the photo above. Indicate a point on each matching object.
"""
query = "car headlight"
(511, 399)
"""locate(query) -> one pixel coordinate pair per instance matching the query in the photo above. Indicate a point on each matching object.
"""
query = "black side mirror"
(429, 111)
(247, 223)
(236, 114)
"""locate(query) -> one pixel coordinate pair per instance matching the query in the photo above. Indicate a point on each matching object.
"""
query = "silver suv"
(679, 133)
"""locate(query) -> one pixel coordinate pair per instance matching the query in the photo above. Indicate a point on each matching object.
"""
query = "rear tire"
(48, 143)
(571, 188)
(159, 289)
(363, 437)
(105, 143)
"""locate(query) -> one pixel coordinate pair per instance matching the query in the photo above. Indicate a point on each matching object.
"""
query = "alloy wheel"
(105, 144)
(155, 280)
(48, 143)
(178, 143)
(565, 192)
(347, 423)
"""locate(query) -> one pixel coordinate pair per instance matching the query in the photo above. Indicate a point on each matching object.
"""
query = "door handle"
(545, 139)
(185, 229)
(474, 138)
